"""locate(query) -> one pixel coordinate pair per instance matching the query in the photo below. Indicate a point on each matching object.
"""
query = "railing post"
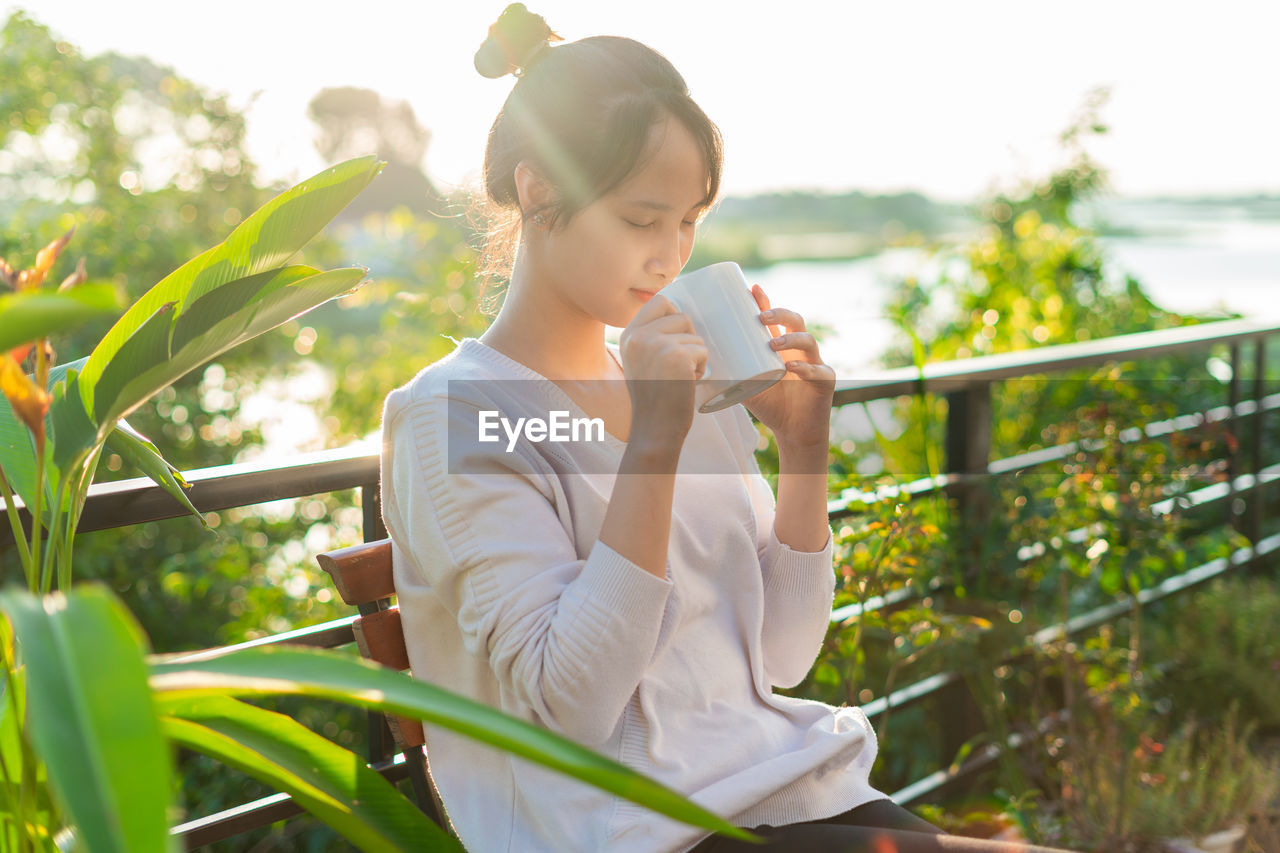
(380, 742)
(969, 454)
(1257, 506)
(371, 504)
(1233, 437)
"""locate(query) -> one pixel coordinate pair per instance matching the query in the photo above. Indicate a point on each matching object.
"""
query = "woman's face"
(625, 246)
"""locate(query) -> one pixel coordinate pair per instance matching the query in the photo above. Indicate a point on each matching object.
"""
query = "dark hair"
(581, 114)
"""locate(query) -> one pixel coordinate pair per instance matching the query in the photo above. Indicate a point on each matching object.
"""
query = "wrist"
(650, 455)
(803, 457)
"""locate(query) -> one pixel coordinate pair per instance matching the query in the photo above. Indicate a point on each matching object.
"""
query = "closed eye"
(651, 224)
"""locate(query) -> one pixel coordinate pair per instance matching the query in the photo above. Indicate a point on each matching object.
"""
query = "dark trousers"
(877, 827)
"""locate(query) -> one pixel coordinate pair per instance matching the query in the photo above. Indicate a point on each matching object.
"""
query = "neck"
(544, 333)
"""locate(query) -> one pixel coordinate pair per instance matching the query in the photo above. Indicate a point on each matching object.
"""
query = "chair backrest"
(362, 576)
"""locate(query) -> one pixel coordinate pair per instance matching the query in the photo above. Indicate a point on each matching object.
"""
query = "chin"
(621, 319)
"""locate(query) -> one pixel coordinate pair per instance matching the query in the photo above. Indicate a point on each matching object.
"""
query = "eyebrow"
(652, 205)
(657, 205)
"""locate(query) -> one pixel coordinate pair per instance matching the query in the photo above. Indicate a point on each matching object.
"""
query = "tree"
(149, 167)
(352, 122)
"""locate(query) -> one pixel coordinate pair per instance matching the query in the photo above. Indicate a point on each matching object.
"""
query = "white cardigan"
(508, 597)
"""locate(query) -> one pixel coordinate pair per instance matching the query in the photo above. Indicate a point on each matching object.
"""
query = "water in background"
(1190, 258)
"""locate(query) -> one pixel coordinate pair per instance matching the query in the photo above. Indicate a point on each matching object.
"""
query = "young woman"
(601, 588)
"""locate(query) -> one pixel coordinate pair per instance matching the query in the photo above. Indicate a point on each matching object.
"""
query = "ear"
(532, 188)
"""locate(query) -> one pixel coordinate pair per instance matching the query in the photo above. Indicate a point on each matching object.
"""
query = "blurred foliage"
(941, 589)
(152, 169)
(149, 167)
(1033, 277)
(1221, 642)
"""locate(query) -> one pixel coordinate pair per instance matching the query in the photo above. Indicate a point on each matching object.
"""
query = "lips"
(644, 295)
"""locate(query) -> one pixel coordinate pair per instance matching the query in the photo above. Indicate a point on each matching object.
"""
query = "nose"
(667, 256)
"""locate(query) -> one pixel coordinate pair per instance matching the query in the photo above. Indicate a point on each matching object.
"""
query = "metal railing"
(966, 384)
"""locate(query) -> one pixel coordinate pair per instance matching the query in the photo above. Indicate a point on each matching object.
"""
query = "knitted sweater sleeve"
(799, 586)
(568, 638)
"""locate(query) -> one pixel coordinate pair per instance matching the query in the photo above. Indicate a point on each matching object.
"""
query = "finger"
(811, 372)
(684, 339)
(785, 316)
(671, 324)
(797, 341)
(658, 306)
(762, 300)
(700, 355)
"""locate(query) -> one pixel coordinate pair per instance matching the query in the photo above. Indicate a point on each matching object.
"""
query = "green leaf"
(327, 675)
(140, 453)
(17, 453)
(325, 779)
(12, 696)
(137, 373)
(204, 313)
(147, 347)
(91, 717)
(264, 241)
(279, 306)
(65, 419)
(33, 314)
(72, 433)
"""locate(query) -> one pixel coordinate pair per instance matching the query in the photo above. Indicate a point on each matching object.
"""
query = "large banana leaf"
(222, 297)
(330, 782)
(326, 675)
(264, 241)
(91, 716)
(34, 314)
(168, 345)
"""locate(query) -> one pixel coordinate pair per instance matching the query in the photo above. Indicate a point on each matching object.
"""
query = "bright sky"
(939, 96)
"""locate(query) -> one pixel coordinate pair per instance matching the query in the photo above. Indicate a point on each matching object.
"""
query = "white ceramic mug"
(740, 362)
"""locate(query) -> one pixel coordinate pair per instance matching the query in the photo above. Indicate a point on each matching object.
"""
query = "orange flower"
(34, 277)
(76, 279)
(30, 279)
(30, 402)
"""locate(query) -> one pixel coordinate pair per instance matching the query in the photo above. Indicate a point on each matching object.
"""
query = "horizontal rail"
(853, 500)
(958, 375)
(139, 500)
(325, 635)
(984, 757)
(262, 812)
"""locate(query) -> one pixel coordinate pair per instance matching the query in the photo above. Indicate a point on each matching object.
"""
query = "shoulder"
(464, 378)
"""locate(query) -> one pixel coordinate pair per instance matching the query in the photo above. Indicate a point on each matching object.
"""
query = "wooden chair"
(362, 575)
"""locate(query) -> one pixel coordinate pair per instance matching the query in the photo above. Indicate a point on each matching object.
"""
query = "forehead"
(672, 174)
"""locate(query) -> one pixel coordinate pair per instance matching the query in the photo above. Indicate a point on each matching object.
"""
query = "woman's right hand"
(662, 357)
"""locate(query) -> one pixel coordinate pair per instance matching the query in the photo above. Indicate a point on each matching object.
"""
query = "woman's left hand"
(798, 408)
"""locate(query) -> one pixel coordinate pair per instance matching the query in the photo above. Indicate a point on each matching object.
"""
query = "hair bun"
(517, 40)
